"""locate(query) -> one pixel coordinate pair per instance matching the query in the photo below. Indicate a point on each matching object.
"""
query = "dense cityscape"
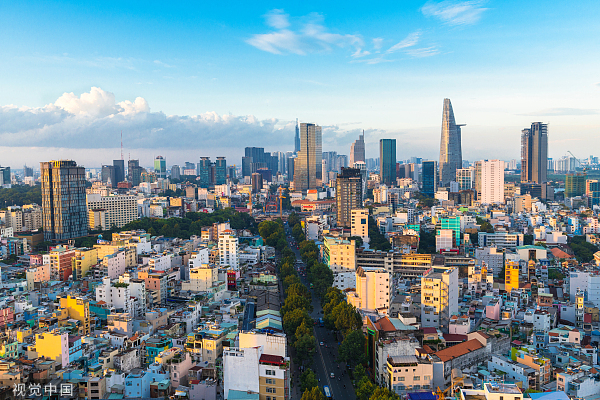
(300, 200)
(304, 275)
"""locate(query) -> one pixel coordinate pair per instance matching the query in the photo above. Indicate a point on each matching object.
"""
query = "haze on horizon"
(186, 81)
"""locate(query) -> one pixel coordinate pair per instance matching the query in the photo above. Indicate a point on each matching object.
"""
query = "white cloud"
(377, 43)
(310, 37)
(423, 52)
(94, 118)
(455, 13)
(411, 40)
(277, 19)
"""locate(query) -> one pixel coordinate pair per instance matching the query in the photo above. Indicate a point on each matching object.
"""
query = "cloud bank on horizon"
(95, 120)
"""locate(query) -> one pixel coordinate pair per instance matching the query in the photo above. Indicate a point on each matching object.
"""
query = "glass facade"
(387, 161)
(450, 145)
(534, 153)
(160, 167)
(307, 168)
(429, 178)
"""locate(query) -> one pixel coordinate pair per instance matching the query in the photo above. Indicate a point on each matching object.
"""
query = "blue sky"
(212, 78)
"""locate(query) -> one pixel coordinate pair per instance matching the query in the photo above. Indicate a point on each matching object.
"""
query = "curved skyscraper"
(450, 146)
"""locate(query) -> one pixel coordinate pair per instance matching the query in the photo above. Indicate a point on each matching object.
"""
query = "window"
(270, 372)
(417, 378)
(271, 390)
(270, 381)
(401, 378)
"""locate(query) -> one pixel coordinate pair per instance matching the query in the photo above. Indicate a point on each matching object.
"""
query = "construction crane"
(281, 197)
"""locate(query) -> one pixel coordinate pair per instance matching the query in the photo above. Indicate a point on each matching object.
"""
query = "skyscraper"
(348, 195)
(450, 146)
(64, 207)
(108, 176)
(220, 171)
(160, 167)
(307, 168)
(119, 166)
(387, 161)
(357, 149)
(175, 172)
(534, 153)
(430, 178)
(297, 138)
(5, 177)
(204, 172)
(134, 172)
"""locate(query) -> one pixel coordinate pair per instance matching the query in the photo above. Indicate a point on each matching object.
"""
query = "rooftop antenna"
(121, 145)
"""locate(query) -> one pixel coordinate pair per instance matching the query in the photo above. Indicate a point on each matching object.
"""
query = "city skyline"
(87, 86)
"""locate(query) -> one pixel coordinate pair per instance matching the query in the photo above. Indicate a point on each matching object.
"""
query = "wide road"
(325, 359)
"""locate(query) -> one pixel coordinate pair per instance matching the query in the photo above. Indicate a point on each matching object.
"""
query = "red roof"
(271, 359)
(449, 337)
(429, 330)
(460, 349)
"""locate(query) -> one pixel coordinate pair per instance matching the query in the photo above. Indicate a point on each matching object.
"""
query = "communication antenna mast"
(121, 145)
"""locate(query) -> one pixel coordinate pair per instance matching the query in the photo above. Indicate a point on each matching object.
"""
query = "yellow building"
(339, 254)
(23, 333)
(53, 345)
(110, 248)
(82, 261)
(511, 276)
(75, 308)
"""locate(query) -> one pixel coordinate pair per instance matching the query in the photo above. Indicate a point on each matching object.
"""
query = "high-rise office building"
(204, 172)
(592, 191)
(27, 171)
(308, 165)
(387, 161)
(297, 138)
(119, 166)
(290, 167)
(464, 178)
(175, 172)
(534, 153)
(450, 145)
(357, 149)
(108, 176)
(160, 167)
(231, 172)
(64, 207)
(575, 184)
(257, 182)
(5, 176)
(348, 195)
(220, 171)
(430, 178)
(134, 172)
(489, 181)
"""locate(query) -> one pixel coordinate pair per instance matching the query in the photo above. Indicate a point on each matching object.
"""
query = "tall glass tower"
(308, 165)
(387, 161)
(357, 150)
(534, 153)
(297, 138)
(429, 178)
(160, 167)
(450, 146)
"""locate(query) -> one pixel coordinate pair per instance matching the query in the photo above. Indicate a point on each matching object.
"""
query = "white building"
(493, 259)
(372, 290)
(489, 181)
(114, 264)
(444, 240)
(228, 249)
(160, 262)
(202, 278)
(137, 288)
(120, 209)
(117, 295)
(439, 297)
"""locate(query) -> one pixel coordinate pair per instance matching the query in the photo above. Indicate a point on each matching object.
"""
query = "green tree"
(377, 240)
(382, 393)
(295, 302)
(293, 319)
(298, 233)
(305, 347)
(298, 289)
(364, 389)
(313, 394)
(308, 380)
(352, 349)
(359, 372)
(346, 318)
(358, 240)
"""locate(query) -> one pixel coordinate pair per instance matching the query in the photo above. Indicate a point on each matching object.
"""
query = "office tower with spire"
(387, 161)
(357, 150)
(64, 208)
(308, 164)
(348, 195)
(297, 138)
(450, 146)
(534, 153)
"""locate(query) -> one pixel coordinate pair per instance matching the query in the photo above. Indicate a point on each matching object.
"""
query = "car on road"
(321, 344)
(332, 375)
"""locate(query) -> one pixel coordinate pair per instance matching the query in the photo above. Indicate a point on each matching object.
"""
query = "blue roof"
(242, 395)
(421, 396)
(549, 396)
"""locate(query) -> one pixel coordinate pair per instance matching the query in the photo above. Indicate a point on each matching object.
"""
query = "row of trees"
(377, 240)
(584, 251)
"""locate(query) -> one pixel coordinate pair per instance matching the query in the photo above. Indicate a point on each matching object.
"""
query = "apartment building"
(409, 374)
(439, 297)
(228, 249)
(359, 223)
(339, 254)
(411, 265)
(202, 278)
(119, 209)
(372, 290)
